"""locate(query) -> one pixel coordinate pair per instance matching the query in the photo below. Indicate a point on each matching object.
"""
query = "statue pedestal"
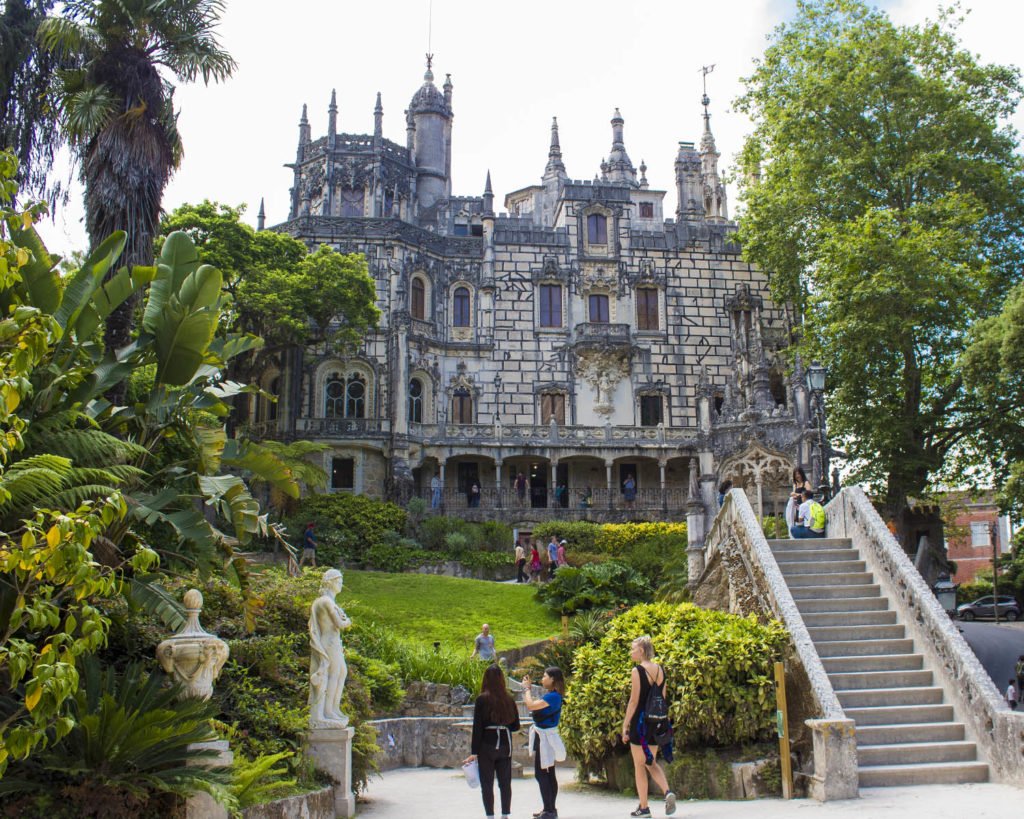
(331, 752)
(201, 805)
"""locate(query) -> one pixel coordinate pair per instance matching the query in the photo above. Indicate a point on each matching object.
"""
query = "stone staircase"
(906, 731)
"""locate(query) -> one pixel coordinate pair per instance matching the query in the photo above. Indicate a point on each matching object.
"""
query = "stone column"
(440, 473)
(497, 483)
(552, 499)
(608, 477)
(661, 479)
(694, 527)
(330, 749)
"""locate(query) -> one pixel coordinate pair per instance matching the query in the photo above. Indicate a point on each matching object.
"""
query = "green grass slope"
(421, 608)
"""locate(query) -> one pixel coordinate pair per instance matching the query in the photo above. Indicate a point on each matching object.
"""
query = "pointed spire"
(261, 217)
(304, 134)
(619, 167)
(555, 166)
(488, 196)
(304, 120)
(378, 118)
(332, 118)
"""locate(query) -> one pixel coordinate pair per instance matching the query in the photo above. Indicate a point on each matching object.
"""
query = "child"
(1011, 694)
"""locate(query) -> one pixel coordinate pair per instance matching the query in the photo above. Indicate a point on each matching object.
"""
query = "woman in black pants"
(544, 739)
(495, 718)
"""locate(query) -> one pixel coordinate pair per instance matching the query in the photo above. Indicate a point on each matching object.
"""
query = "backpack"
(657, 725)
(817, 516)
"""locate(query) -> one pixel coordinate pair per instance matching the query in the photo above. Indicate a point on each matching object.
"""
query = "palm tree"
(117, 109)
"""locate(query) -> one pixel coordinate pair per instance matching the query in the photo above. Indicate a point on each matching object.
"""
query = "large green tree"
(288, 297)
(883, 194)
(117, 109)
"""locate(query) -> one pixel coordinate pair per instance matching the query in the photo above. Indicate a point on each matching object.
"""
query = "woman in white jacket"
(544, 739)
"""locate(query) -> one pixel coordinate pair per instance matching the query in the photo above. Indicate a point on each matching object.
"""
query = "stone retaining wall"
(314, 805)
(429, 742)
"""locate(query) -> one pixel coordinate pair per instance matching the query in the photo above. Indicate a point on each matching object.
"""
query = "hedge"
(719, 679)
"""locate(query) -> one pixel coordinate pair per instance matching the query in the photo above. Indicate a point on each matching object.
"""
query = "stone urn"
(192, 656)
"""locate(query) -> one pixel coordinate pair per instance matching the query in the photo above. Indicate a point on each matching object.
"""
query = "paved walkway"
(412, 793)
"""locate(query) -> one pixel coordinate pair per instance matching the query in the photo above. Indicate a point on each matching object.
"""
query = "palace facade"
(580, 337)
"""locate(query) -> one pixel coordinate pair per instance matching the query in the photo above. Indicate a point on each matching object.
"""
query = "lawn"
(422, 608)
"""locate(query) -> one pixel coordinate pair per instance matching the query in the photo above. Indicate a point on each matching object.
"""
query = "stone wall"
(315, 805)
(427, 699)
(432, 742)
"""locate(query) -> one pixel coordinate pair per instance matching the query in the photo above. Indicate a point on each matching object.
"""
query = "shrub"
(355, 522)
(620, 538)
(581, 534)
(595, 586)
(718, 669)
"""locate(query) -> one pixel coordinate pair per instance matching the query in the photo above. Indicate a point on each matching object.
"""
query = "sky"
(513, 65)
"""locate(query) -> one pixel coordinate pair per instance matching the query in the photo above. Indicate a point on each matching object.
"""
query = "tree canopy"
(882, 194)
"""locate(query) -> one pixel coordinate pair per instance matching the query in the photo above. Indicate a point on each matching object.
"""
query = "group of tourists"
(805, 517)
(556, 558)
(646, 729)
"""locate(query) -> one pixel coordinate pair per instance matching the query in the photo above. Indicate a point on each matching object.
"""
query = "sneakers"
(546, 814)
(670, 803)
(641, 811)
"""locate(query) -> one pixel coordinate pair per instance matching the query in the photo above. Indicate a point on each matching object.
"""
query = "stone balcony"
(497, 434)
(601, 335)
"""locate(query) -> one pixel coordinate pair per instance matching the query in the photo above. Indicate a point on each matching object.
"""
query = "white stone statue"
(192, 656)
(327, 668)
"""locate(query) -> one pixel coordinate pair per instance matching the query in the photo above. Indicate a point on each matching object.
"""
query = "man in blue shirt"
(552, 556)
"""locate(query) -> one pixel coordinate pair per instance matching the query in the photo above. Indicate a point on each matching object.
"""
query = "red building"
(969, 534)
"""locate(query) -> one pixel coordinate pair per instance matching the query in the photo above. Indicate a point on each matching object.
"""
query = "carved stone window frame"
(461, 333)
(608, 249)
(325, 372)
(423, 278)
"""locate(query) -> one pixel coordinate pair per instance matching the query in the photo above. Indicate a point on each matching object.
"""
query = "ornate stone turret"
(689, 187)
(555, 169)
(192, 656)
(430, 113)
(619, 168)
(715, 205)
(332, 119)
(304, 135)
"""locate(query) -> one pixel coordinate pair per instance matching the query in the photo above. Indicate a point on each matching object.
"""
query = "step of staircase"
(904, 695)
(906, 734)
(873, 662)
(911, 752)
(937, 773)
(831, 605)
(850, 618)
(789, 568)
(856, 680)
(830, 592)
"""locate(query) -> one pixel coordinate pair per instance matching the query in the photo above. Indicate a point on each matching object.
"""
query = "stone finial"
(261, 217)
(332, 117)
(378, 118)
(192, 656)
(488, 196)
(555, 166)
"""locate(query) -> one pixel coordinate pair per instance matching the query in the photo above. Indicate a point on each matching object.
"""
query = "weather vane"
(705, 70)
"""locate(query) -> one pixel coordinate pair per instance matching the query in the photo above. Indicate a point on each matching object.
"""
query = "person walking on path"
(545, 742)
(552, 557)
(495, 719)
(308, 546)
(520, 563)
(535, 564)
(561, 554)
(646, 673)
(435, 492)
(1012, 694)
(483, 645)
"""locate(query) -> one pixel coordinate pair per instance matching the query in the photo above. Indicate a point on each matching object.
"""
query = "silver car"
(1009, 608)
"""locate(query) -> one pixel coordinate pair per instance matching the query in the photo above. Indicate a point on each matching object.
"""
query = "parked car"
(1009, 608)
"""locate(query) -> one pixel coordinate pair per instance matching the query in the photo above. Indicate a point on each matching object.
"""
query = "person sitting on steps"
(810, 518)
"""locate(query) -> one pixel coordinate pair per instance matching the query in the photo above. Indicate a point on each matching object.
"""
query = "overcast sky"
(514, 65)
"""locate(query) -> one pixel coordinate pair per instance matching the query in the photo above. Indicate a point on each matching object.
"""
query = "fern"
(261, 780)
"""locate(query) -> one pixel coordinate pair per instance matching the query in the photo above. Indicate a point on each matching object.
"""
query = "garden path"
(411, 793)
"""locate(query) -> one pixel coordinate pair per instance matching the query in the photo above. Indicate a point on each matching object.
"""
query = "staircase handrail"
(834, 748)
(996, 728)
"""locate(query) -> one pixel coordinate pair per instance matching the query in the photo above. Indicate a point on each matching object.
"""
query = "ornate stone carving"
(603, 370)
(192, 656)
(327, 668)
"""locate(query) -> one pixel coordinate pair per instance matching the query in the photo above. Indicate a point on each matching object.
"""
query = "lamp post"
(497, 398)
(816, 384)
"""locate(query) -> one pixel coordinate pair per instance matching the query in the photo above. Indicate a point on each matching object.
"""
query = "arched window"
(334, 397)
(416, 401)
(355, 396)
(597, 229)
(460, 307)
(462, 406)
(419, 299)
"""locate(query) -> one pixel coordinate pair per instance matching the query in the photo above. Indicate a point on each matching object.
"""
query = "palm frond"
(147, 594)
(75, 496)
(87, 112)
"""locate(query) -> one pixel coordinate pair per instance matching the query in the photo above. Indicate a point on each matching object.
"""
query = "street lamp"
(497, 398)
(816, 384)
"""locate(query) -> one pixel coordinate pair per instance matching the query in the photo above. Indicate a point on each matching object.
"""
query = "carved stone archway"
(757, 467)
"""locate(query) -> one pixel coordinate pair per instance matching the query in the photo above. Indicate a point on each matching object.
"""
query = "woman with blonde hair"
(646, 674)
